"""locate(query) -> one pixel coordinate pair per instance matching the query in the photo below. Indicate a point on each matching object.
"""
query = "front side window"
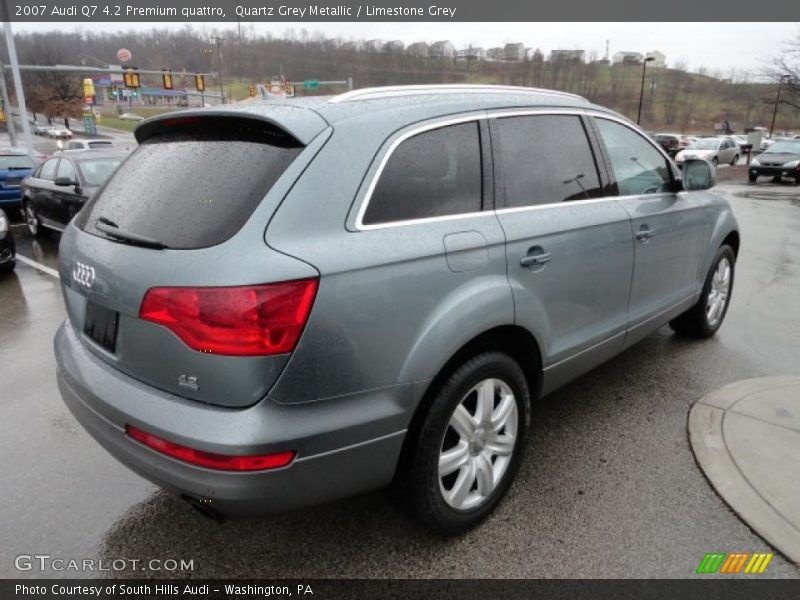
(49, 169)
(432, 174)
(65, 169)
(638, 167)
(542, 159)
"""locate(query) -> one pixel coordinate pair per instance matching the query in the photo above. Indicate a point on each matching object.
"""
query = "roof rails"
(392, 91)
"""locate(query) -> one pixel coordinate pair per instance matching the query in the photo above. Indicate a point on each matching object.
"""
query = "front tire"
(752, 178)
(705, 318)
(735, 160)
(715, 161)
(470, 445)
(32, 221)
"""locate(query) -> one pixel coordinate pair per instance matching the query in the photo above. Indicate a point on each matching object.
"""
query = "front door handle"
(645, 233)
(534, 260)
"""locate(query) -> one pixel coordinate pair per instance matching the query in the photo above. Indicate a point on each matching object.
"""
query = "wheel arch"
(516, 341)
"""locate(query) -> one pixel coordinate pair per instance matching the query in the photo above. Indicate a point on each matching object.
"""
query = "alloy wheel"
(478, 444)
(31, 220)
(718, 294)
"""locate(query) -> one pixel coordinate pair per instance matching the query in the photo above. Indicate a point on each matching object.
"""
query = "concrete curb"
(746, 438)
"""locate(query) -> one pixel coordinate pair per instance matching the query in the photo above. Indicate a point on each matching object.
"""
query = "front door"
(669, 230)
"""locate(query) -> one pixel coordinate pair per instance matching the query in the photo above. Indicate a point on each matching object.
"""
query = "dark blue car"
(14, 167)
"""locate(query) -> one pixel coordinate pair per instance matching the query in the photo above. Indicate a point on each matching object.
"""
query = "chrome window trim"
(359, 223)
(494, 114)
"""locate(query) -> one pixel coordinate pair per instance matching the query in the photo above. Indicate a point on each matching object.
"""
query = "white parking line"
(37, 265)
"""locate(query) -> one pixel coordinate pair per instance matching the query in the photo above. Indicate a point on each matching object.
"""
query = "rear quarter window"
(432, 174)
(193, 187)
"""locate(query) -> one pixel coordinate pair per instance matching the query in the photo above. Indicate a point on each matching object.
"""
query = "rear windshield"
(194, 186)
(99, 144)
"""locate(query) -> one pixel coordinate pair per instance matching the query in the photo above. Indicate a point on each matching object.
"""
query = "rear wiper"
(111, 229)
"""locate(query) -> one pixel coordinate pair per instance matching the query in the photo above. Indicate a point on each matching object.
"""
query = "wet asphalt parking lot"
(609, 487)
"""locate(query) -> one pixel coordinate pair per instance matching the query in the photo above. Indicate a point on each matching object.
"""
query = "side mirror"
(698, 174)
(64, 181)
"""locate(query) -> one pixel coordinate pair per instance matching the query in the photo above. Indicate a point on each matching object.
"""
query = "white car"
(718, 150)
(88, 145)
(131, 117)
(58, 132)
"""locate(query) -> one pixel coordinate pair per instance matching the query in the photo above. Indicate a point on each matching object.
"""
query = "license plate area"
(100, 325)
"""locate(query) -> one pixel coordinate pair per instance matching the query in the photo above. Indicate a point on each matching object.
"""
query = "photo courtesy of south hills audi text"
(399, 299)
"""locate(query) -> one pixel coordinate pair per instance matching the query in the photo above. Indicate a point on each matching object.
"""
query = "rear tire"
(705, 318)
(470, 444)
(715, 161)
(9, 266)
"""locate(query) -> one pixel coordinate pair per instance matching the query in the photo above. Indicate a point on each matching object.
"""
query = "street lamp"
(777, 101)
(646, 60)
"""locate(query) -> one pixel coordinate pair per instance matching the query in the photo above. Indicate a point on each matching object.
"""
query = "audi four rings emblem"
(83, 275)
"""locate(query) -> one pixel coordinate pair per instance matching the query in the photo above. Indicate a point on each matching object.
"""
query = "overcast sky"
(716, 46)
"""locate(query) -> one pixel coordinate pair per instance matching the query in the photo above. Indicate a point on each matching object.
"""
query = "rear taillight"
(254, 320)
(224, 462)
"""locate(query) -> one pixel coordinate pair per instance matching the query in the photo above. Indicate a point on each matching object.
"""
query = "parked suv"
(331, 295)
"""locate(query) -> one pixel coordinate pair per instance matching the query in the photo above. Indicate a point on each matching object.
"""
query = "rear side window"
(432, 174)
(542, 159)
(194, 186)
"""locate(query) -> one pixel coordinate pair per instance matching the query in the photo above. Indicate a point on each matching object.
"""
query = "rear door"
(568, 249)
(669, 229)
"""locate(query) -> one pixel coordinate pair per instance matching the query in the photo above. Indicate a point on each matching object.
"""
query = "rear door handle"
(532, 260)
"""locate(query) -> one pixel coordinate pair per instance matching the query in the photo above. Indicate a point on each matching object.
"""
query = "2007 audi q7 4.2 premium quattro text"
(330, 295)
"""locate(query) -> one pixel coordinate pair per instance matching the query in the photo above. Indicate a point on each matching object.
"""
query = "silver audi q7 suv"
(275, 304)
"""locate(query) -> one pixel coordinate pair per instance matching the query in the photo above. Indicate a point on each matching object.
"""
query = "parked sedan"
(716, 150)
(782, 159)
(58, 132)
(40, 129)
(15, 165)
(131, 117)
(8, 259)
(89, 145)
(61, 186)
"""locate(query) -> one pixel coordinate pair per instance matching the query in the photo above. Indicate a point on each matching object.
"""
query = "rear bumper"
(344, 446)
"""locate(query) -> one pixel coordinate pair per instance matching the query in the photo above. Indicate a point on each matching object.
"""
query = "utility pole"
(12, 55)
(777, 101)
(220, 81)
(646, 60)
(7, 106)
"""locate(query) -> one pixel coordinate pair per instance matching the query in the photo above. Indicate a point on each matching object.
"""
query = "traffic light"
(200, 83)
(131, 79)
(252, 90)
(166, 77)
